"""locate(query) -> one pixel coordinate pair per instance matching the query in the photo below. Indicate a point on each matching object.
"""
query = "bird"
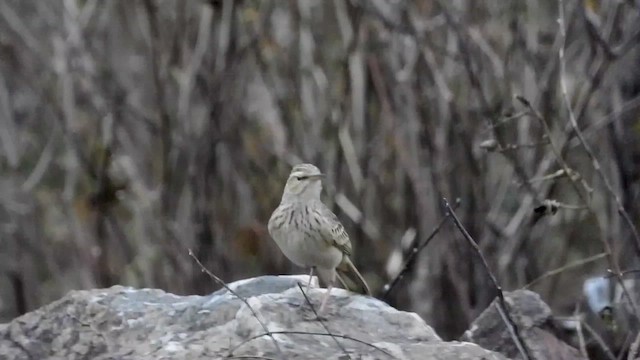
(310, 235)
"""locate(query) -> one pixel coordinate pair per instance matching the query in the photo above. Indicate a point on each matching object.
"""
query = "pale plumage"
(310, 234)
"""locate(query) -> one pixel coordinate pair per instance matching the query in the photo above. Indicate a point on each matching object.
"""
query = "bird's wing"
(332, 230)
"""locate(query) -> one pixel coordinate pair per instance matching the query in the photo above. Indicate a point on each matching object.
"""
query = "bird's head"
(304, 183)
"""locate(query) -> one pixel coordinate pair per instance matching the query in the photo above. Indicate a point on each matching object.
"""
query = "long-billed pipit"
(310, 235)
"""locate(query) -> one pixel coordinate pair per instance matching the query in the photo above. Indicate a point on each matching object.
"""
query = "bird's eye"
(302, 178)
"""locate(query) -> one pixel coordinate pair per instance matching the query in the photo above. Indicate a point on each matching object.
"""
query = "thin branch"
(326, 328)
(564, 268)
(583, 141)
(595, 162)
(294, 332)
(622, 273)
(255, 314)
(598, 339)
(557, 152)
(627, 45)
(501, 303)
(580, 324)
(511, 147)
(596, 72)
(634, 350)
(625, 346)
(165, 120)
(414, 254)
(187, 80)
(581, 342)
(506, 119)
(45, 159)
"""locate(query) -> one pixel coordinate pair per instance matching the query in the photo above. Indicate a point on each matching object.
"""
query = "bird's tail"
(350, 277)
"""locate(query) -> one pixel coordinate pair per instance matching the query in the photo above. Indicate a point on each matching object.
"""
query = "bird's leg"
(310, 277)
(325, 299)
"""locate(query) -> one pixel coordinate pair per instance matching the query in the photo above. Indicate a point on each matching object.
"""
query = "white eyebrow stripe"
(303, 174)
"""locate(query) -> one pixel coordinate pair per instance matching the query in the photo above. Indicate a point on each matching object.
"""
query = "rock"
(533, 318)
(127, 323)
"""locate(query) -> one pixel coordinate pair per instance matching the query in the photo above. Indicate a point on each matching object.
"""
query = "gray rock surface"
(533, 318)
(127, 323)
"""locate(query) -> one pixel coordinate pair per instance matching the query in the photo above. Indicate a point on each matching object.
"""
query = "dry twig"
(255, 314)
(501, 304)
(414, 254)
(326, 328)
(596, 164)
(564, 268)
(293, 332)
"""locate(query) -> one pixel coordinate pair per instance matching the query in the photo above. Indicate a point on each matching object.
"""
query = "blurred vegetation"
(131, 131)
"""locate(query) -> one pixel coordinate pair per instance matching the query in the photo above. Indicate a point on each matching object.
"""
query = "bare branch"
(255, 314)
(326, 328)
(416, 249)
(560, 270)
(501, 304)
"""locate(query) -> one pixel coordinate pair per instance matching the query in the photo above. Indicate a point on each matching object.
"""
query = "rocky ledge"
(127, 323)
